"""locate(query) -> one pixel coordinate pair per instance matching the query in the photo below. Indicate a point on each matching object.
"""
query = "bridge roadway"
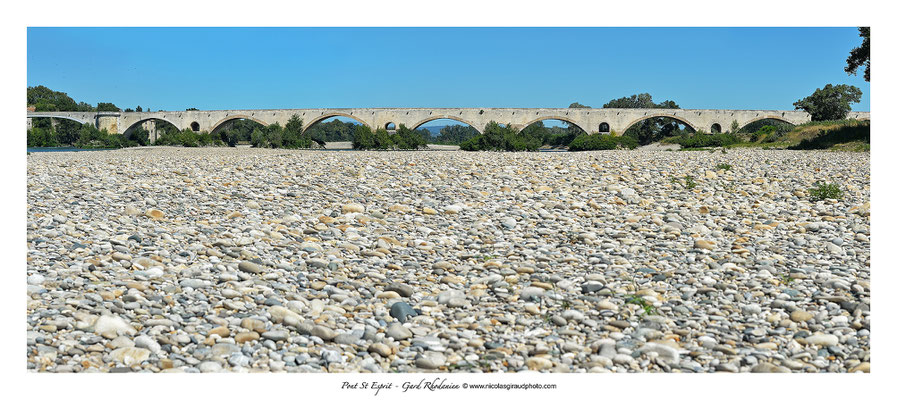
(592, 120)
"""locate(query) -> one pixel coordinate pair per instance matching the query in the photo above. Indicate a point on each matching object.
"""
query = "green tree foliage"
(192, 109)
(332, 131)
(554, 136)
(293, 137)
(91, 137)
(408, 139)
(734, 126)
(502, 138)
(41, 137)
(651, 129)
(363, 138)
(139, 135)
(780, 126)
(859, 56)
(237, 130)
(455, 134)
(187, 138)
(139, 109)
(45, 99)
(830, 103)
(67, 131)
(275, 136)
(577, 105)
(107, 107)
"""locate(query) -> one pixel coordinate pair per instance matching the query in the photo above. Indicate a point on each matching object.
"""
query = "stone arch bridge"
(592, 120)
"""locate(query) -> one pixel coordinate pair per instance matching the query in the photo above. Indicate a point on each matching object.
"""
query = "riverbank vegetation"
(403, 139)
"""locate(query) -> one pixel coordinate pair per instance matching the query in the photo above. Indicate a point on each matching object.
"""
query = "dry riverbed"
(204, 260)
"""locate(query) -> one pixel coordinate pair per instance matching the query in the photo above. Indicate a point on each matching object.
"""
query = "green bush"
(408, 139)
(822, 191)
(363, 138)
(382, 139)
(90, 137)
(502, 138)
(40, 137)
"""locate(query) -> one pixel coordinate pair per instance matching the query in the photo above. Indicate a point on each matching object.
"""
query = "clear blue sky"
(233, 68)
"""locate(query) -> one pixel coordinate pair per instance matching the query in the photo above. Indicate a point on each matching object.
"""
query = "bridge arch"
(149, 119)
(444, 116)
(310, 123)
(659, 115)
(557, 117)
(233, 117)
(762, 117)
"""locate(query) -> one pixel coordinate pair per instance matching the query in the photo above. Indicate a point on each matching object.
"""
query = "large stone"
(402, 311)
(110, 326)
(130, 356)
(430, 360)
(398, 332)
(251, 267)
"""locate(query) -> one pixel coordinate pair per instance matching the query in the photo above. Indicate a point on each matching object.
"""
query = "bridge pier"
(108, 121)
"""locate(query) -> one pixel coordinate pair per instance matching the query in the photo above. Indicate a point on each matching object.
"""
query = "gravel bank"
(205, 260)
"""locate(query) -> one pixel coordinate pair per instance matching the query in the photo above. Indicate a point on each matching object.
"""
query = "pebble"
(398, 332)
(251, 267)
(300, 261)
(402, 311)
(430, 360)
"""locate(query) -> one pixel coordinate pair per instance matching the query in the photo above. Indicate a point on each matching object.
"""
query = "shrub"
(823, 191)
(363, 138)
(724, 166)
(139, 135)
(39, 137)
(408, 139)
(502, 138)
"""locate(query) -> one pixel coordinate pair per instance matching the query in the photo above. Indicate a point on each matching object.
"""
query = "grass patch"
(826, 136)
(822, 191)
(641, 302)
(724, 166)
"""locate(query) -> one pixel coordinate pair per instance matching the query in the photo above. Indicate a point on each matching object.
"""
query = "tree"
(139, 109)
(734, 126)
(409, 139)
(107, 107)
(363, 137)
(456, 134)
(293, 137)
(45, 99)
(577, 105)
(651, 129)
(860, 55)
(192, 109)
(129, 110)
(829, 103)
(642, 100)
(258, 138)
